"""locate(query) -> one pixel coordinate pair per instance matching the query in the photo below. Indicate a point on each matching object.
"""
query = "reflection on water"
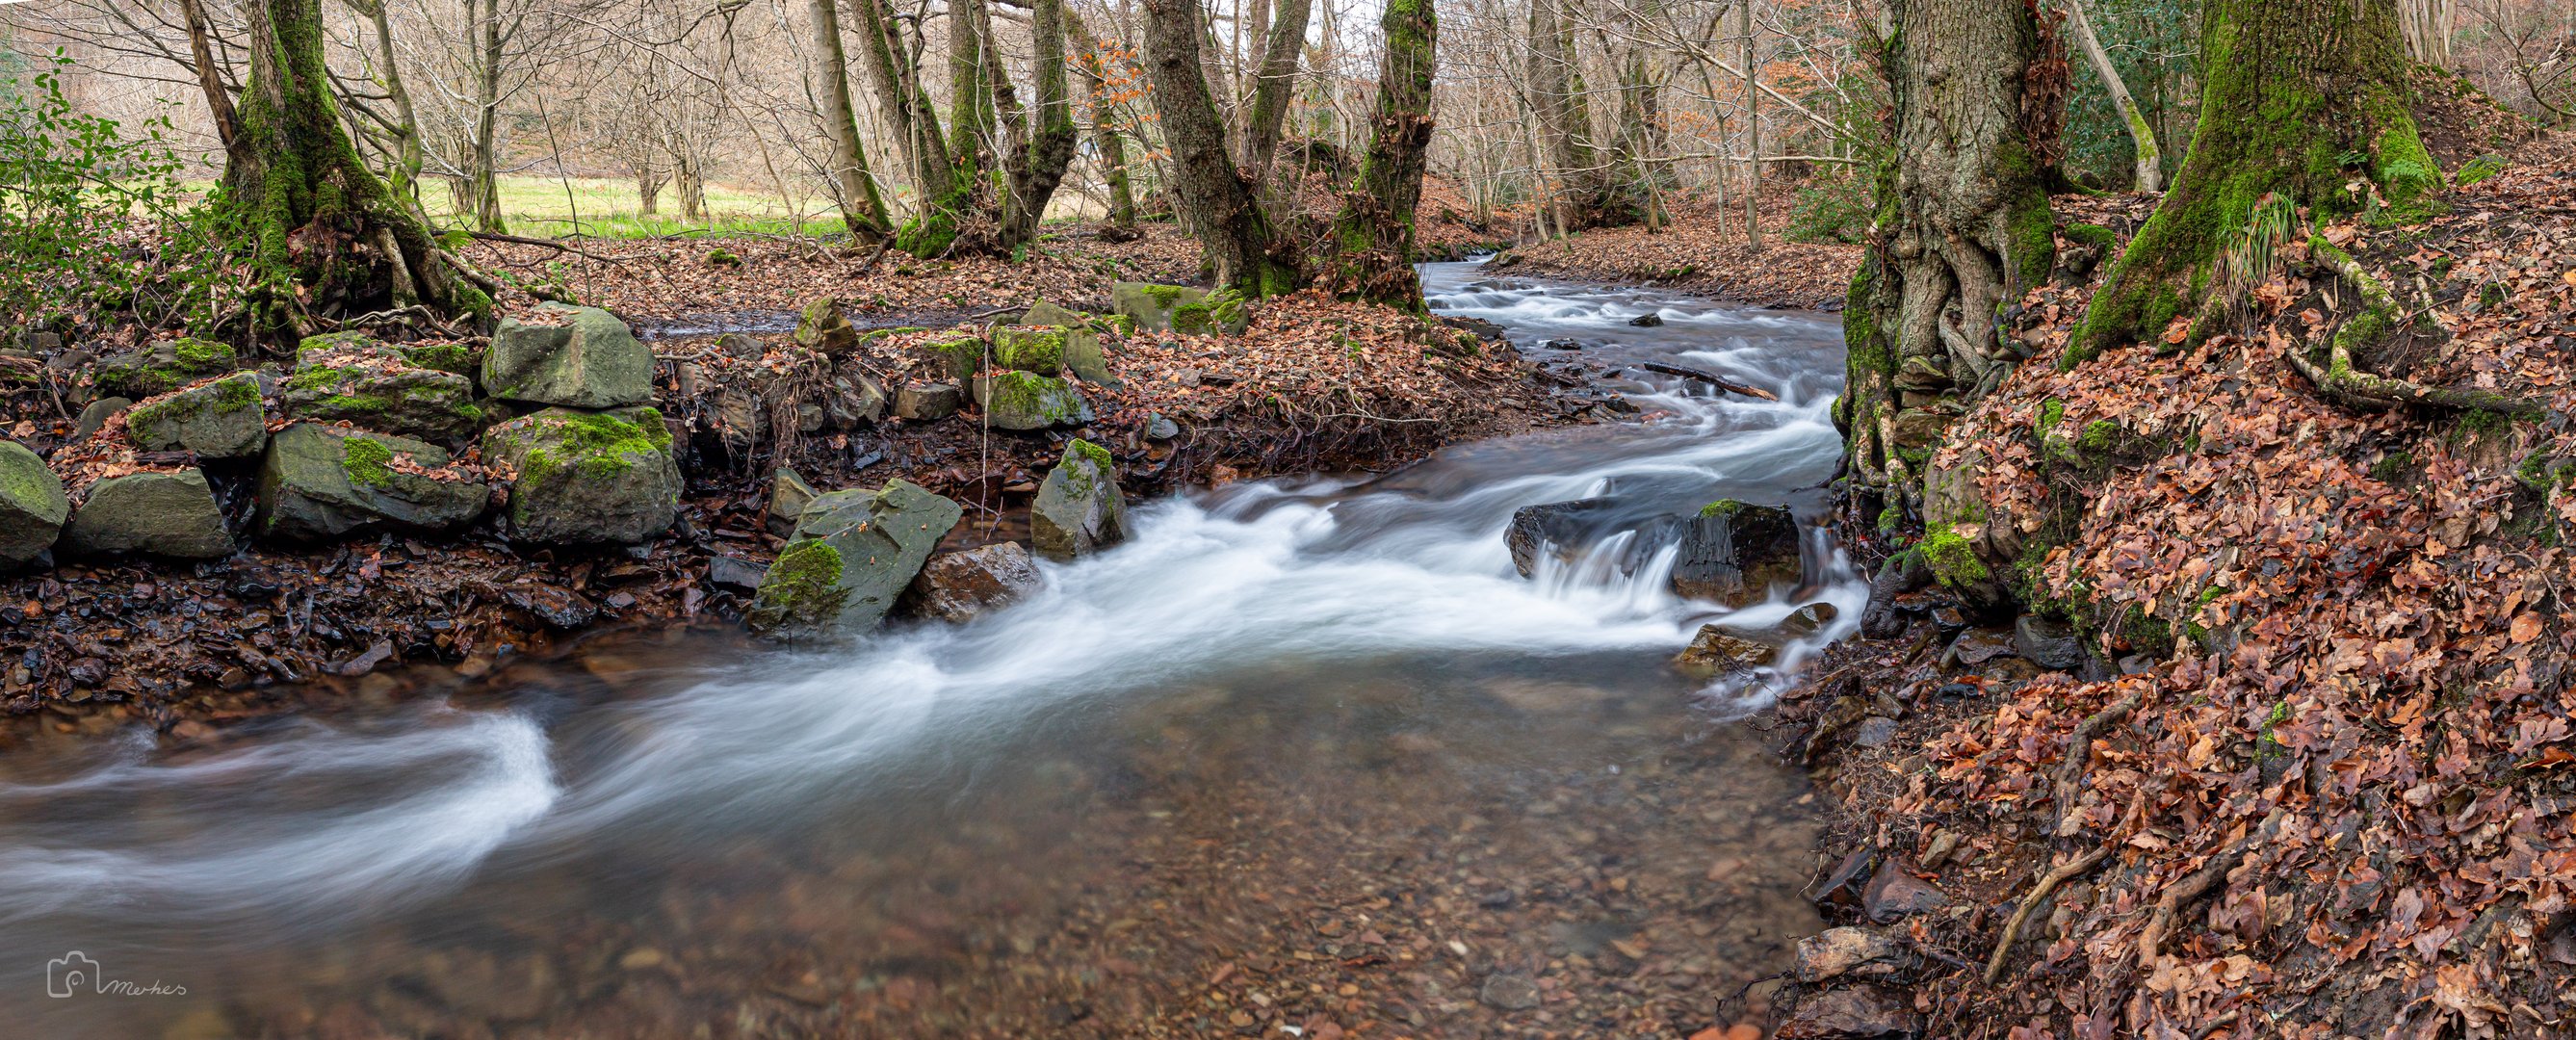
(1305, 755)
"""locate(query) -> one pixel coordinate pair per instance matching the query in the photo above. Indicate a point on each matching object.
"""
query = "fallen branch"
(2079, 751)
(1711, 378)
(2030, 904)
(2343, 380)
(2193, 886)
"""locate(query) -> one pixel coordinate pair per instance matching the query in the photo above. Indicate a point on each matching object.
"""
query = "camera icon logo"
(65, 975)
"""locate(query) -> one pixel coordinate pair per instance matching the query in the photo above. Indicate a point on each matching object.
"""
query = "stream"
(1305, 754)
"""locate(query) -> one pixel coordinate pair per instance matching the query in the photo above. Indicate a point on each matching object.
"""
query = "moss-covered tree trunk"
(1373, 233)
(1108, 146)
(1963, 229)
(328, 238)
(2301, 99)
(1571, 178)
(854, 186)
(1278, 81)
(1215, 201)
(1045, 150)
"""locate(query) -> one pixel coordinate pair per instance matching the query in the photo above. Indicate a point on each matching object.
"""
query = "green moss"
(2094, 235)
(723, 257)
(1040, 351)
(960, 353)
(1164, 296)
(2392, 467)
(335, 341)
(352, 404)
(202, 355)
(2051, 412)
(2478, 169)
(802, 589)
(367, 461)
(443, 357)
(1867, 350)
(315, 378)
(1027, 393)
(1952, 559)
(2100, 436)
(1723, 507)
(2031, 240)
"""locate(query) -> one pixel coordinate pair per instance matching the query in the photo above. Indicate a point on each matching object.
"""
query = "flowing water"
(1305, 754)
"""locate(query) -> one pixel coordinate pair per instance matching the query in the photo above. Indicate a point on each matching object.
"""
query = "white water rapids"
(154, 862)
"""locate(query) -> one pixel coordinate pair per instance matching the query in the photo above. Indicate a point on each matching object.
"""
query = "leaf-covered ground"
(1703, 252)
(2336, 799)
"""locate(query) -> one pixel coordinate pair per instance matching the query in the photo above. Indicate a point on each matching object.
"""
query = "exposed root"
(2193, 886)
(2347, 384)
(2079, 751)
(2039, 893)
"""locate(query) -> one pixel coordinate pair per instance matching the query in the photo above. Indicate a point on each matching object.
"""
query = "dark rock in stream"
(1647, 321)
(735, 573)
(954, 587)
(1734, 552)
(1509, 992)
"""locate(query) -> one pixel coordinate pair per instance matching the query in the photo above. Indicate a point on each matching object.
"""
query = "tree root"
(2346, 383)
(2194, 885)
(2030, 904)
(2079, 752)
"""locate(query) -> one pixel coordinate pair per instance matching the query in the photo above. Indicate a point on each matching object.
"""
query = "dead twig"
(2030, 903)
(1711, 378)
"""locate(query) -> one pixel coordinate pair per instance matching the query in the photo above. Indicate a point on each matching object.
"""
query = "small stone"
(1152, 305)
(1836, 952)
(824, 325)
(1734, 552)
(1716, 651)
(1874, 732)
(1808, 620)
(1029, 401)
(1979, 645)
(97, 415)
(556, 608)
(789, 494)
(955, 587)
(1893, 895)
(583, 357)
(219, 419)
(32, 506)
(1647, 321)
(2053, 645)
(853, 554)
(587, 477)
(1161, 428)
(320, 482)
(1509, 992)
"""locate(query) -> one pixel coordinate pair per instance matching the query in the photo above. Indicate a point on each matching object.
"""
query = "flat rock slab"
(157, 514)
(319, 482)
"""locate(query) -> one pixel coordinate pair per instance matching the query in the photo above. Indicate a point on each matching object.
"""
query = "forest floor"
(1313, 385)
(2303, 769)
(1704, 252)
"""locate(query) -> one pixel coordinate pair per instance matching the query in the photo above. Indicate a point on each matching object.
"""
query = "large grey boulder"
(1152, 305)
(1079, 510)
(1028, 401)
(160, 514)
(32, 506)
(578, 357)
(1733, 552)
(954, 587)
(587, 477)
(380, 391)
(853, 555)
(221, 419)
(321, 482)
(161, 366)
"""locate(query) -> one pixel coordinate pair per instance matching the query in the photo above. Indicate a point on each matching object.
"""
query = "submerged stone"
(1716, 651)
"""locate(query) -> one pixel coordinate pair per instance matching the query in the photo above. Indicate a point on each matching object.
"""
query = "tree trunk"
(1109, 148)
(1963, 229)
(854, 187)
(2150, 169)
(1037, 166)
(328, 239)
(2294, 90)
(201, 50)
(1374, 231)
(1753, 133)
(1278, 83)
(1571, 180)
(1214, 201)
(949, 196)
(485, 166)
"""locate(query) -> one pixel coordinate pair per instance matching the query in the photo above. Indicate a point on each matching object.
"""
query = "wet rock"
(1874, 732)
(1903, 573)
(789, 494)
(1078, 509)
(1893, 895)
(735, 573)
(1733, 552)
(2052, 645)
(1978, 645)
(853, 553)
(160, 514)
(1028, 401)
(1161, 428)
(161, 366)
(955, 587)
(319, 482)
(221, 419)
(1848, 876)
(1508, 991)
(32, 506)
(556, 608)
(587, 477)
(1647, 321)
(1808, 620)
(1558, 525)
(824, 325)
(578, 357)
(1152, 305)
(1857, 952)
(1716, 651)
(927, 402)
(1563, 344)
(1863, 1012)
(97, 415)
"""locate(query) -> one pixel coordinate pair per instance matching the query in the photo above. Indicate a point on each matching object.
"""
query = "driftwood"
(1711, 378)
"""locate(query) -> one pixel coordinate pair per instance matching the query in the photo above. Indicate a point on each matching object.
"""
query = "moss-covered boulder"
(444, 357)
(1734, 552)
(1223, 312)
(853, 554)
(1149, 305)
(380, 391)
(320, 482)
(162, 366)
(220, 419)
(32, 506)
(1044, 313)
(953, 355)
(1028, 401)
(1039, 350)
(577, 357)
(157, 514)
(1079, 510)
(928, 402)
(824, 325)
(587, 477)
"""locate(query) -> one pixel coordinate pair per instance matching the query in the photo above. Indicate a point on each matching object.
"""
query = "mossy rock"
(444, 357)
(162, 366)
(1044, 313)
(319, 482)
(1028, 401)
(578, 357)
(32, 506)
(853, 554)
(1079, 510)
(587, 477)
(824, 325)
(954, 355)
(377, 391)
(1150, 305)
(1222, 313)
(220, 419)
(1039, 350)
(156, 514)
